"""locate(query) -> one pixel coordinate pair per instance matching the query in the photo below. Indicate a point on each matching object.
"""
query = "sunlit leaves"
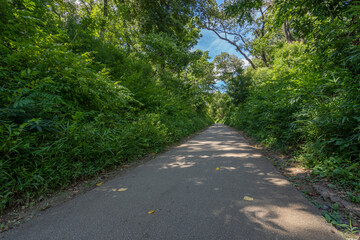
(76, 102)
(227, 67)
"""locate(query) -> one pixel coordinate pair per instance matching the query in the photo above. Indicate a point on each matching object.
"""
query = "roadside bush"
(308, 108)
(73, 105)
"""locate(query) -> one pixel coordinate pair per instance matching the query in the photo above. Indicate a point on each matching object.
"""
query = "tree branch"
(86, 7)
(234, 44)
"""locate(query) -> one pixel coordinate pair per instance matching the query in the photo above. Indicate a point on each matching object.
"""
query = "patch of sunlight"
(278, 181)
(228, 168)
(236, 155)
(291, 218)
(183, 164)
(250, 165)
(197, 181)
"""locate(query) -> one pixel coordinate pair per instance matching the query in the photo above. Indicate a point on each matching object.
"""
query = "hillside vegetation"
(300, 93)
(87, 85)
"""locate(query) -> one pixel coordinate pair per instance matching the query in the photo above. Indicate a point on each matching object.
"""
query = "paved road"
(191, 199)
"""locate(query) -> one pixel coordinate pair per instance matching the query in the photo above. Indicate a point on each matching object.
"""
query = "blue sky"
(210, 42)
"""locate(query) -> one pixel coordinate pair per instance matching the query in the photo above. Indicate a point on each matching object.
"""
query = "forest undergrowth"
(87, 86)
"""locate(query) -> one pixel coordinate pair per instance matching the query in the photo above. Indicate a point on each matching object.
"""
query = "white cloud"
(246, 63)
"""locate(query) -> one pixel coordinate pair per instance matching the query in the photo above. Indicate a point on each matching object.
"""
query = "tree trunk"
(102, 30)
(286, 29)
(263, 57)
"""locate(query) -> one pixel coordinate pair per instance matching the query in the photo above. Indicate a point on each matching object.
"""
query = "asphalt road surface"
(196, 191)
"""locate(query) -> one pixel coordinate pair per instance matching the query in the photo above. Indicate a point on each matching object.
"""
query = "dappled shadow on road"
(194, 191)
(205, 181)
(221, 166)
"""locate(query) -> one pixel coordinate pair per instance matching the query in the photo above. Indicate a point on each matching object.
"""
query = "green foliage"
(227, 66)
(297, 106)
(333, 216)
(220, 105)
(79, 93)
(303, 95)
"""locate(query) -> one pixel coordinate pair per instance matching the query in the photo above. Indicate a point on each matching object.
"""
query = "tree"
(201, 71)
(219, 106)
(238, 23)
(171, 17)
(88, 84)
(229, 69)
(331, 27)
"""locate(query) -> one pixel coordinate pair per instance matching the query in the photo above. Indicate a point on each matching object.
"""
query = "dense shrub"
(73, 104)
(306, 107)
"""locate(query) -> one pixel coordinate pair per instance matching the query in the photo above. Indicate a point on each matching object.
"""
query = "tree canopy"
(301, 93)
(87, 85)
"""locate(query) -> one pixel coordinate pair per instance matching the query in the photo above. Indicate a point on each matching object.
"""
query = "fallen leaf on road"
(151, 211)
(217, 168)
(122, 189)
(246, 198)
(99, 184)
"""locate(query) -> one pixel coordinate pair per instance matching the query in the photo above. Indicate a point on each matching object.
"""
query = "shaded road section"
(197, 190)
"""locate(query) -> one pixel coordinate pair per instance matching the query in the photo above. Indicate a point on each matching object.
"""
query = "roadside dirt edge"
(331, 201)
